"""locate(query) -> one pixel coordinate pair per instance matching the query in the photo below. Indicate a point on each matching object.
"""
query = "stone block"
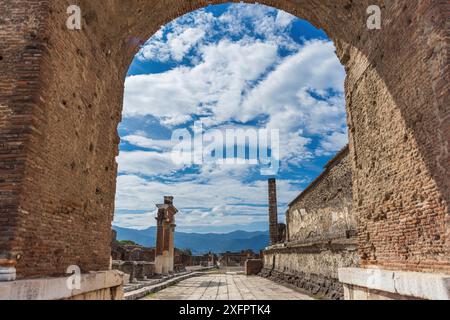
(414, 285)
(253, 266)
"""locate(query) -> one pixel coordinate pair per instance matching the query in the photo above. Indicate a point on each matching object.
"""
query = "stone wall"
(236, 259)
(311, 266)
(321, 234)
(61, 102)
(253, 266)
(138, 270)
(324, 209)
(105, 285)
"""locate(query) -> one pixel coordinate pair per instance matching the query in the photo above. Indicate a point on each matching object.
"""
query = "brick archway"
(61, 103)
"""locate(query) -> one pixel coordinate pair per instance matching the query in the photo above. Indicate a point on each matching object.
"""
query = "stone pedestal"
(379, 284)
(165, 264)
(253, 266)
(159, 261)
(106, 285)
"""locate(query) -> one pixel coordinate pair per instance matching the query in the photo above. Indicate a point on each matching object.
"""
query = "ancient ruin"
(61, 102)
(277, 230)
(321, 234)
(236, 259)
(134, 260)
(165, 249)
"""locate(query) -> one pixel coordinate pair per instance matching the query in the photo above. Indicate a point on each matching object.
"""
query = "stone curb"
(409, 284)
(57, 288)
(130, 287)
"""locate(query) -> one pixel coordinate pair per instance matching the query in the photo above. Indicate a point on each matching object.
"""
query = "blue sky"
(231, 66)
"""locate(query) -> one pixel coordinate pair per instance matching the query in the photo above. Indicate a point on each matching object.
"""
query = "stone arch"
(62, 103)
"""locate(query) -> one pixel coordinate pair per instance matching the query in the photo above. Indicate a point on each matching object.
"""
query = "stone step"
(142, 284)
(144, 290)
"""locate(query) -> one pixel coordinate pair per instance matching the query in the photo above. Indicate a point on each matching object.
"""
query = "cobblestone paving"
(228, 287)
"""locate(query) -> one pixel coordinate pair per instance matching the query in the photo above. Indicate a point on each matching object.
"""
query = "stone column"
(159, 243)
(165, 251)
(288, 220)
(172, 248)
(273, 212)
(166, 248)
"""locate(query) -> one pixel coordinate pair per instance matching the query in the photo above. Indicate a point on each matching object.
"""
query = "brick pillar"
(166, 248)
(273, 212)
(159, 237)
(172, 249)
(164, 262)
(159, 243)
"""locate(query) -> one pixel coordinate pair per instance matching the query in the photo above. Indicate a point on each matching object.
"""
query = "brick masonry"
(273, 212)
(61, 102)
(324, 209)
(318, 285)
(253, 266)
(312, 266)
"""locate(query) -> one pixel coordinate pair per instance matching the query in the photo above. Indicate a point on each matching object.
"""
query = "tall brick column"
(159, 241)
(273, 211)
(164, 260)
(166, 248)
(172, 248)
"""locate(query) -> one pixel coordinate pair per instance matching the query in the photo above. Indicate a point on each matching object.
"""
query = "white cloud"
(146, 163)
(217, 83)
(217, 199)
(139, 221)
(293, 96)
(284, 19)
(176, 39)
(315, 67)
(148, 143)
(182, 35)
(228, 81)
(333, 143)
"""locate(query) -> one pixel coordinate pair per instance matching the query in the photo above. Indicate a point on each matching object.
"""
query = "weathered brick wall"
(397, 119)
(21, 52)
(324, 209)
(61, 100)
(322, 234)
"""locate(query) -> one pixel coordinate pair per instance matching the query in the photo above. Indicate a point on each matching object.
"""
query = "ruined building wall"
(321, 234)
(311, 266)
(273, 212)
(324, 210)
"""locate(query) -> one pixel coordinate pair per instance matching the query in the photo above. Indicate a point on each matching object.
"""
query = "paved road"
(228, 287)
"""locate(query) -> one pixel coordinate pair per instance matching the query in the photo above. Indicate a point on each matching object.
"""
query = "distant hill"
(201, 243)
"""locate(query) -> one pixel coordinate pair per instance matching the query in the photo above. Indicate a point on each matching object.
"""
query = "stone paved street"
(228, 287)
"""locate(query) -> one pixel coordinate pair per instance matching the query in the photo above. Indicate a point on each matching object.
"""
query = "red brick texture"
(61, 102)
(253, 267)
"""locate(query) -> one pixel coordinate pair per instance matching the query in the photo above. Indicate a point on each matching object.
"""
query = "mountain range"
(201, 243)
